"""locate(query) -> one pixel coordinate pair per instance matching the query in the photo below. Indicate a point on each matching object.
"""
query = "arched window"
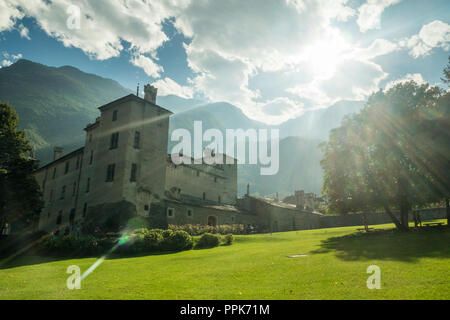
(212, 221)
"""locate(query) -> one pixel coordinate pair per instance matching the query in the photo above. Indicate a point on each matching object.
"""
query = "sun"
(324, 57)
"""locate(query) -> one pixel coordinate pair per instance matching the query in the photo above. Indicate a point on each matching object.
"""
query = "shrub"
(176, 240)
(208, 240)
(229, 239)
(153, 240)
(199, 229)
(71, 245)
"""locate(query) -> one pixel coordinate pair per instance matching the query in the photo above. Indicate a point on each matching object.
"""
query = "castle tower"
(128, 144)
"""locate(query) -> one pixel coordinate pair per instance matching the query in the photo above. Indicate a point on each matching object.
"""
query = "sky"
(273, 59)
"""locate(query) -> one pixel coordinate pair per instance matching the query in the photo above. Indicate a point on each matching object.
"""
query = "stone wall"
(373, 218)
(183, 213)
(276, 216)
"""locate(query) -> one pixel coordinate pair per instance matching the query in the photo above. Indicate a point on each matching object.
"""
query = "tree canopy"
(20, 198)
(394, 154)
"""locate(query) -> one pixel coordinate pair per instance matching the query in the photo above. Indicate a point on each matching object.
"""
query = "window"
(84, 210)
(77, 164)
(215, 179)
(90, 138)
(133, 172)
(110, 172)
(66, 169)
(146, 207)
(204, 195)
(91, 157)
(63, 192)
(54, 172)
(51, 196)
(219, 199)
(189, 213)
(137, 140)
(170, 212)
(88, 185)
(114, 118)
(114, 141)
(74, 189)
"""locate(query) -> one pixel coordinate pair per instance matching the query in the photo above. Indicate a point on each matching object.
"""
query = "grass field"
(415, 265)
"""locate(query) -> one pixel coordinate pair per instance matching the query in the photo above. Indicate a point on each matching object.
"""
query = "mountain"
(299, 169)
(317, 124)
(55, 104)
(177, 104)
(219, 116)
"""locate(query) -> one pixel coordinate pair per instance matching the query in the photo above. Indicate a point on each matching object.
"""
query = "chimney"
(150, 93)
(300, 199)
(57, 152)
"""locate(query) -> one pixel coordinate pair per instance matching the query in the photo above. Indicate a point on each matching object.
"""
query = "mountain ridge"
(54, 104)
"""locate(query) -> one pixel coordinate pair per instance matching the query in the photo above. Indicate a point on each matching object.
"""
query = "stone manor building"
(124, 166)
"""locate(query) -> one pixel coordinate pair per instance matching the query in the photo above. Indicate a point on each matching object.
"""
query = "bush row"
(75, 245)
(199, 229)
(136, 242)
(209, 240)
(139, 241)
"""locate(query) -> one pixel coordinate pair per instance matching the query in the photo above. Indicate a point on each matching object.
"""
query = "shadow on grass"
(36, 258)
(390, 245)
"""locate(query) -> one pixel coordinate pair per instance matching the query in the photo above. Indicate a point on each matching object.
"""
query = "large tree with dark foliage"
(20, 198)
(395, 154)
(446, 77)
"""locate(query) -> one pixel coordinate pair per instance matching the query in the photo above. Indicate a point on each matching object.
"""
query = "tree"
(394, 154)
(20, 198)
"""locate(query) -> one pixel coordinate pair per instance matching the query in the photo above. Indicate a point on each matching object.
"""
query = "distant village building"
(124, 167)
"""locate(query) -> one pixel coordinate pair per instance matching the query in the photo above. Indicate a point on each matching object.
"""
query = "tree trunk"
(403, 202)
(394, 219)
(404, 210)
(2, 225)
(447, 204)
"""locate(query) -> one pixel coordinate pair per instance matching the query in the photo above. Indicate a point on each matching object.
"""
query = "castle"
(124, 166)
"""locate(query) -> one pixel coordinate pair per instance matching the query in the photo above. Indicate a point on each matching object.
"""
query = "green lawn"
(413, 266)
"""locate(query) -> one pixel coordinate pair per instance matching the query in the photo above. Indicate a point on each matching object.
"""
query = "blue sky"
(273, 59)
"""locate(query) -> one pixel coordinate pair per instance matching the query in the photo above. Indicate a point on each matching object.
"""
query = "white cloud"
(435, 34)
(9, 15)
(9, 59)
(6, 63)
(353, 80)
(103, 23)
(167, 86)
(148, 65)
(416, 77)
(370, 13)
(232, 42)
(24, 32)
(379, 47)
